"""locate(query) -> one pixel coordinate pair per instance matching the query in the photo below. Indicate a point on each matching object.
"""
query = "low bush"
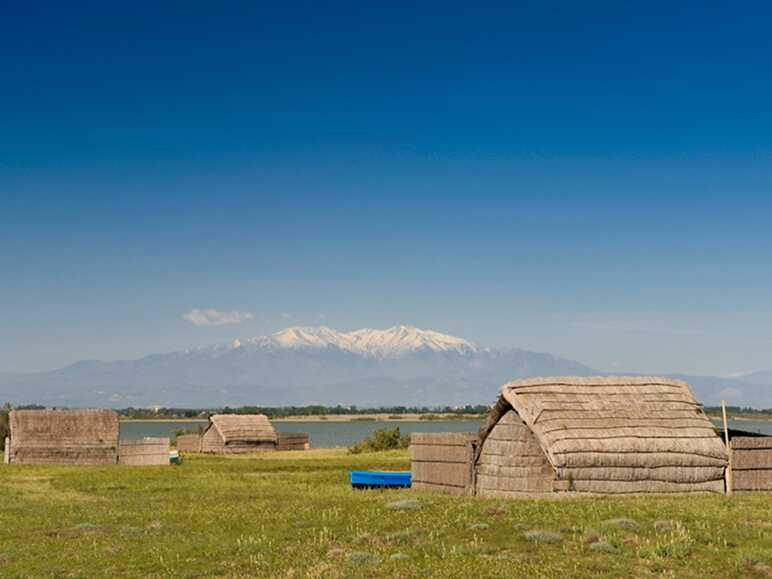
(430, 417)
(4, 428)
(183, 431)
(381, 439)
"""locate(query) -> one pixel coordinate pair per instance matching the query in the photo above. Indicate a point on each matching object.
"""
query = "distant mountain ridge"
(395, 341)
(401, 365)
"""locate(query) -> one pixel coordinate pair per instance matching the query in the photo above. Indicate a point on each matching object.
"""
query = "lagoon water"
(757, 426)
(335, 434)
(322, 434)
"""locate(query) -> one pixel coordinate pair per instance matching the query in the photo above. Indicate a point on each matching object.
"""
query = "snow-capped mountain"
(396, 341)
(300, 365)
(401, 365)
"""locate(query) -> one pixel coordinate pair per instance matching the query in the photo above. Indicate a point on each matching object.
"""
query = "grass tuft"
(538, 536)
(603, 547)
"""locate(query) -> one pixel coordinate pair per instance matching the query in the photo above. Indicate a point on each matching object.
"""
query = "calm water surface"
(333, 434)
(758, 426)
(322, 434)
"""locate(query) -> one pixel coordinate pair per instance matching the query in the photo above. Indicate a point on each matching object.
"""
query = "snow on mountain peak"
(404, 339)
(308, 337)
(394, 341)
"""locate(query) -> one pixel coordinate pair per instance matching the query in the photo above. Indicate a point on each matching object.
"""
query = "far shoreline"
(377, 417)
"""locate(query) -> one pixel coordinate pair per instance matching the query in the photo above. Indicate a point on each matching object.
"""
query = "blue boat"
(373, 479)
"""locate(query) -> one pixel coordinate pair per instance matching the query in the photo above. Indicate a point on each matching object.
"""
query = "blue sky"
(589, 180)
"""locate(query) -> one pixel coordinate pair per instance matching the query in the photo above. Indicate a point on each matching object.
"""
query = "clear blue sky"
(588, 179)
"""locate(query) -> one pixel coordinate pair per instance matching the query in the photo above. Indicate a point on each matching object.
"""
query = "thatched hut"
(237, 433)
(605, 435)
(64, 437)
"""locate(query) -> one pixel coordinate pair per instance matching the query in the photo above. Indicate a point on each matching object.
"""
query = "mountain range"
(401, 365)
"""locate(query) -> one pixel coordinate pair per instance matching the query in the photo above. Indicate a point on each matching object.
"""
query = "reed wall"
(442, 461)
(752, 463)
(146, 451)
(292, 441)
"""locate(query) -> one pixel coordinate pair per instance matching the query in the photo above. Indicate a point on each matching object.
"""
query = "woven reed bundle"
(752, 463)
(292, 441)
(145, 451)
(442, 461)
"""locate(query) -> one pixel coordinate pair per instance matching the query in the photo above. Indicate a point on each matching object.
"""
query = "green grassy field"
(294, 515)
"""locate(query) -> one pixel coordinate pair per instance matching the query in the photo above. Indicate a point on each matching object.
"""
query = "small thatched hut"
(236, 433)
(605, 435)
(64, 437)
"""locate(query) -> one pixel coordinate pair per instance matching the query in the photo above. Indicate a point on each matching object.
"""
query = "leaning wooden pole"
(729, 474)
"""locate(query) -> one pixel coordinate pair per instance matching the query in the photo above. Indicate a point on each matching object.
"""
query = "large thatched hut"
(236, 433)
(605, 435)
(63, 437)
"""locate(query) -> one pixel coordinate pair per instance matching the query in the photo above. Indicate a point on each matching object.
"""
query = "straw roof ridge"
(595, 381)
(56, 427)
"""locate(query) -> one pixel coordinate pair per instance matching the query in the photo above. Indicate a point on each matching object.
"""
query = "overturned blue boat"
(373, 479)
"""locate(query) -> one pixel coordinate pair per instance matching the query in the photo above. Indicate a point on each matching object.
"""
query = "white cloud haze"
(212, 317)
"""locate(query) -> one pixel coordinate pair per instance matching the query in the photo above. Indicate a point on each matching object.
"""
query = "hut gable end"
(511, 461)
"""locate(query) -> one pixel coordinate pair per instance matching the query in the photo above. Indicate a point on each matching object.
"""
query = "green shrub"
(183, 431)
(381, 439)
(4, 428)
(430, 417)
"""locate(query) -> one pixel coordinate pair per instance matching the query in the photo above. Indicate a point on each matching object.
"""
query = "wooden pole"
(729, 474)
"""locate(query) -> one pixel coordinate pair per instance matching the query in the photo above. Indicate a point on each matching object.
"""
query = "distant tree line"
(313, 410)
(429, 412)
(740, 410)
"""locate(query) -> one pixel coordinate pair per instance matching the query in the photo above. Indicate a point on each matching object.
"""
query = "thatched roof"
(62, 427)
(612, 421)
(243, 427)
